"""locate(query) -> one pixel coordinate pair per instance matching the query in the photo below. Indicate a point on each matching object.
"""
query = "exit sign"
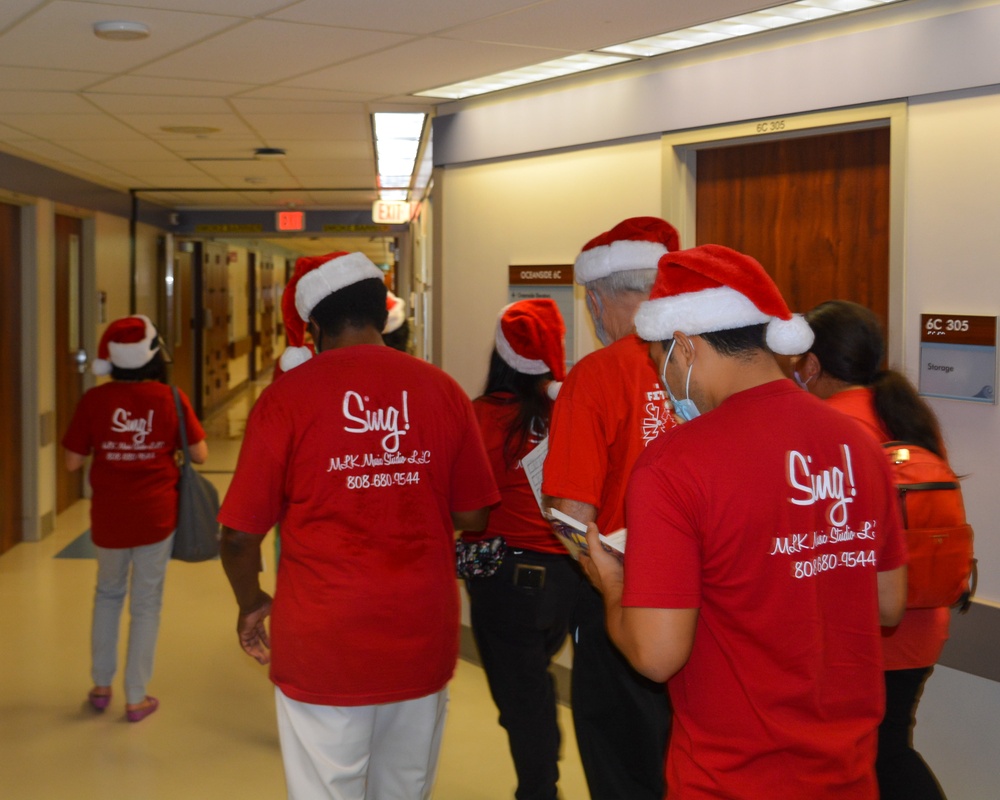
(390, 211)
(291, 221)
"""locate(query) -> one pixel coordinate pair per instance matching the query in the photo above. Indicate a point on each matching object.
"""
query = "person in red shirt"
(520, 605)
(130, 426)
(609, 409)
(764, 548)
(844, 368)
(370, 459)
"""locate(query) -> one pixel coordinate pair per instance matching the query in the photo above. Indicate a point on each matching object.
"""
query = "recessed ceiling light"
(269, 153)
(121, 31)
(194, 130)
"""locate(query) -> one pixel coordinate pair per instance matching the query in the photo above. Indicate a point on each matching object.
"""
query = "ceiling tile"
(264, 52)
(137, 85)
(34, 102)
(335, 173)
(404, 16)
(428, 63)
(30, 42)
(310, 126)
(236, 8)
(269, 106)
(157, 104)
(308, 152)
(589, 24)
(250, 168)
(34, 79)
(72, 127)
(114, 150)
(285, 92)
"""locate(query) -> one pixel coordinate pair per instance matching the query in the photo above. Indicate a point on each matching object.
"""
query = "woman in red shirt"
(844, 368)
(521, 581)
(130, 426)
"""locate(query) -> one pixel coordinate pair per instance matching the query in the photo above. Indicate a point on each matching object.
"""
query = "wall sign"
(958, 357)
(552, 281)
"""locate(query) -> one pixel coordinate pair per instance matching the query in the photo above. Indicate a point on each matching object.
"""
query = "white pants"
(148, 567)
(381, 752)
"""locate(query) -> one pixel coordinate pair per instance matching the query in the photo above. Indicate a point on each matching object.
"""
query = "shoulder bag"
(197, 535)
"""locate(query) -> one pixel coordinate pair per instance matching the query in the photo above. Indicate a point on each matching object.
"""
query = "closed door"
(10, 367)
(183, 325)
(69, 356)
(215, 331)
(813, 210)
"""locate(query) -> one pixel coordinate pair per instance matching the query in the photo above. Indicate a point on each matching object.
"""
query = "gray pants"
(148, 568)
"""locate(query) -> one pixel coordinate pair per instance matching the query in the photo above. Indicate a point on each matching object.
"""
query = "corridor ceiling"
(301, 75)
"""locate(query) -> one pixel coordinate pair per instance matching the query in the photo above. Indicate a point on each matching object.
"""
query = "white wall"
(952, 242)
(531, 211)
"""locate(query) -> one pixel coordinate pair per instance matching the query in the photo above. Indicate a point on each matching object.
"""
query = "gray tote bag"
(197, 536)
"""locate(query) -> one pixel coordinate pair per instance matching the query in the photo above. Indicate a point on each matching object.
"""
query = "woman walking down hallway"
(844, 369)
(521, 581)
(130, 425)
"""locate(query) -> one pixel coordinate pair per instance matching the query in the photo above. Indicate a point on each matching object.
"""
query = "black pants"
(520, 618)
(622, 719)
(902, 773)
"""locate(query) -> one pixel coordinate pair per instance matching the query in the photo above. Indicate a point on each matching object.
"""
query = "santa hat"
(529, 337)
(634, 243)
(713, 288)
(316, 278)
(127, 343)
(397, 313)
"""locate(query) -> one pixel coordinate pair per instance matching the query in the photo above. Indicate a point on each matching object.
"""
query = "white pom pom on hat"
(397, 313)
(634, 243)
(127, 343)
(714, 288)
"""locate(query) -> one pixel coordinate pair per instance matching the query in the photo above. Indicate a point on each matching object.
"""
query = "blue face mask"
(803, 384)
(686, 408)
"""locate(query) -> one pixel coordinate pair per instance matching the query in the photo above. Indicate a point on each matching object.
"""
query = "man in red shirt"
(609, 409)
(369, 458)
(764, 548)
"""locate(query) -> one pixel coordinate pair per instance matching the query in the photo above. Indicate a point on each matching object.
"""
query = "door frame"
(679, 161)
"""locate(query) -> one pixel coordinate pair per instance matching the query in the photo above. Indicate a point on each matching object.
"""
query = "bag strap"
(181, 426)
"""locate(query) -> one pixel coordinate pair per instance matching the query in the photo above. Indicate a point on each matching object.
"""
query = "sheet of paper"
(532, 463)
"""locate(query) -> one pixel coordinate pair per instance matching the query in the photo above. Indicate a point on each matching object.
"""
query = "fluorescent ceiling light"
(397, 140)
(569, 65)
(743, 25)
(780, 16)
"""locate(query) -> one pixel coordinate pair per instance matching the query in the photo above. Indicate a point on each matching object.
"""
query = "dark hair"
(399, 339)
(533, 406)
(850, 346)
(357, 305)
(154, 370)
(736, 342)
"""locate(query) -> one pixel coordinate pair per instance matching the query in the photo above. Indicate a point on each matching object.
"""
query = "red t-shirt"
(517, 518)
(609, 408)
(918, 640)
(770, 514)
(131, 428)
(361, 453)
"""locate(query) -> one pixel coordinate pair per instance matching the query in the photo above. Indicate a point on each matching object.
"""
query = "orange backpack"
(942, 569)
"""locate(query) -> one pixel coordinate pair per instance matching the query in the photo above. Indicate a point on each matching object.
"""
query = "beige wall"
(531, 211)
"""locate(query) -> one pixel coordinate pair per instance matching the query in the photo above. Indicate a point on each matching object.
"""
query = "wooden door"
(813, 210)
(11, 531)
(183, 325)
(266, 312)
(215, 331)
(69, 345)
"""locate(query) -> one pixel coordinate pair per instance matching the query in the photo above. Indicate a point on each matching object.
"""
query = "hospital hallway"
(214, 734)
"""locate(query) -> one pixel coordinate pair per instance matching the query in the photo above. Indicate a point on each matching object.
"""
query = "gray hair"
(626, 281)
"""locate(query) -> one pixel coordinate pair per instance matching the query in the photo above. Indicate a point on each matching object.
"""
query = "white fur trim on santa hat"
(599, 262)
(331, 277)
(130, 355)
(529, 366)
(720, 308)
(294, 357)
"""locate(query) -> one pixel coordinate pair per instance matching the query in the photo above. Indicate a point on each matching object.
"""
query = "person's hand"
(252, 631)
(603, 569)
